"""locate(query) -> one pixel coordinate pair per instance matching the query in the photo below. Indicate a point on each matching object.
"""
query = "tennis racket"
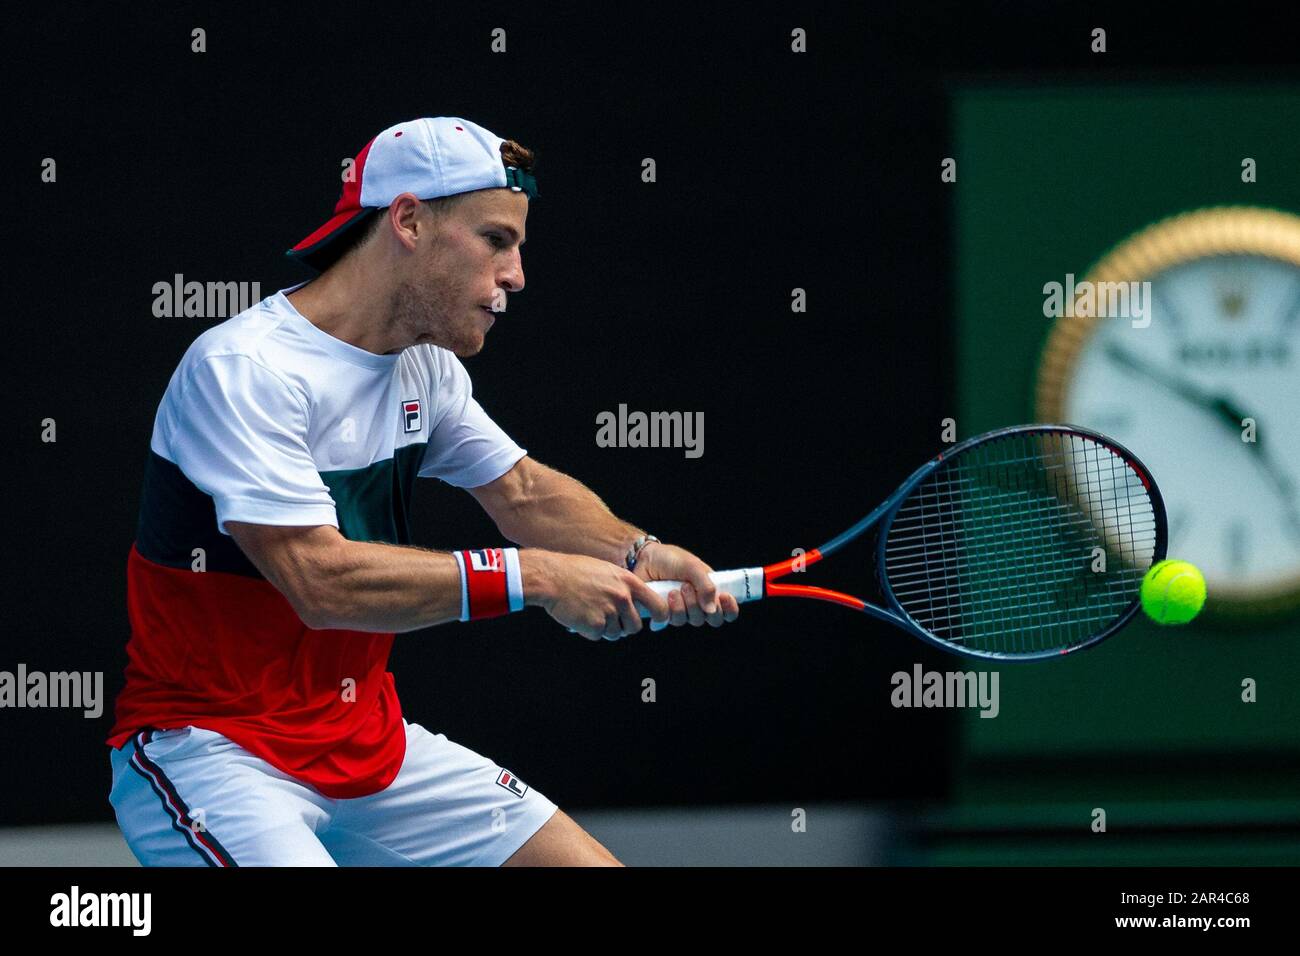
(1025, 543)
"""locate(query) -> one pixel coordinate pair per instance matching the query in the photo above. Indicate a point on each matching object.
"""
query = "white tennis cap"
(431, 157)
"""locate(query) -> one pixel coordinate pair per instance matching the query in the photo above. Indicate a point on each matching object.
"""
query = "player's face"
(461, 281)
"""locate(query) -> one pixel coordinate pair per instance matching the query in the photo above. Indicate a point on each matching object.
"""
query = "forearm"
(383, 588)
(560, 513)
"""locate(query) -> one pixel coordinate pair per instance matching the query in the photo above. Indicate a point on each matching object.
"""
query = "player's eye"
(496, 239)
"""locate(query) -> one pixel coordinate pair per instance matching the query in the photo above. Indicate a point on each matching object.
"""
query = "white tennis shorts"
(192, 797)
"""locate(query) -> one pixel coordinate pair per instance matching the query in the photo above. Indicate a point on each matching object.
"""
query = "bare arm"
(536, 506)
(320, 573)
(332, 582)
(571, 558)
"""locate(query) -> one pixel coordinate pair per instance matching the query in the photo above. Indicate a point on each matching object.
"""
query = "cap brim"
(326, 245)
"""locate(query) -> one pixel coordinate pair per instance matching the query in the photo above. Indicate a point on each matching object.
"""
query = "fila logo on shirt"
(411, 411)
(487, 559)
(512, 783)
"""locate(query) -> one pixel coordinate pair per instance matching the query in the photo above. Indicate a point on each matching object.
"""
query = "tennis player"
(273, 565)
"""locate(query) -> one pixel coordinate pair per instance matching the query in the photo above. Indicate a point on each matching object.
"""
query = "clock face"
(1223, 345)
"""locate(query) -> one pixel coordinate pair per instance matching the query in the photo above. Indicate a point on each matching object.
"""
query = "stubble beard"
(420, 316)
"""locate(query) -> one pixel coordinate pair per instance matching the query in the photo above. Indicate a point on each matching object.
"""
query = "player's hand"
(591, 597)
(698, 600)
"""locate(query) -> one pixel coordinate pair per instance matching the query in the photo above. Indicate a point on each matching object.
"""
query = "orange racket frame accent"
(783, 568)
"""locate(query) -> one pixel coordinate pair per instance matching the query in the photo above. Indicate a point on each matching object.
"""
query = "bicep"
(295, 559)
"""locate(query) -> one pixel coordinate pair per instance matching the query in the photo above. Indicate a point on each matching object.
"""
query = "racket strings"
(1022, 544)
(1039, 590)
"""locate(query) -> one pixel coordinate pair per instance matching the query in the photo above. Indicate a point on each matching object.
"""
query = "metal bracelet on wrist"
(635, 550)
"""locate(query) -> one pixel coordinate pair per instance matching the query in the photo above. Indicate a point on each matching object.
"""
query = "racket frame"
(882, 517)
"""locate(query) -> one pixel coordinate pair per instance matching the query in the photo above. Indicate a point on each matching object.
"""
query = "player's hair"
(512, 153)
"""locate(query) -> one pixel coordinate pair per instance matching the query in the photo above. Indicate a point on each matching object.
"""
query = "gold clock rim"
(1194, 234)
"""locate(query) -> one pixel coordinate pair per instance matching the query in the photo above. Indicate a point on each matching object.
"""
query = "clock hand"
(1218, 406)
(1226, 412)
(1284, 488)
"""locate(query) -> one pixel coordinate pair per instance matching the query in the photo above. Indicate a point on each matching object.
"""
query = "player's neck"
(339, 305)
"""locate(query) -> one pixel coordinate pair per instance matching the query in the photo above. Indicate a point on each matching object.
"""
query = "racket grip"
(744, 584)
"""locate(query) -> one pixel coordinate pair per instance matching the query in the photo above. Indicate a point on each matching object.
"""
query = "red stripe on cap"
(348, 206)
(350, 200)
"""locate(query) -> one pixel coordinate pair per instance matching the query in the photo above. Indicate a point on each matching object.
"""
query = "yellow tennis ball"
(1173, 592)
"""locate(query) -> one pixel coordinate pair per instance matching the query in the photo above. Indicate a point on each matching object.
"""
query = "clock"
(1200, 378)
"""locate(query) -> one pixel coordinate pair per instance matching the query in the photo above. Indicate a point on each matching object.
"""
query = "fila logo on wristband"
(486, 559)
(491, 582)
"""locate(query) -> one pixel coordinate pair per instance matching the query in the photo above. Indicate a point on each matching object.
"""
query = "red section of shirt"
(228, 653)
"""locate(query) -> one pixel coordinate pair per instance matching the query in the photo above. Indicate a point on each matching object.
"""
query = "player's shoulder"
(261, 334)
(251, 354)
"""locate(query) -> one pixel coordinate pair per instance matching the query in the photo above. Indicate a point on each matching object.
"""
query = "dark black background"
(775, 171)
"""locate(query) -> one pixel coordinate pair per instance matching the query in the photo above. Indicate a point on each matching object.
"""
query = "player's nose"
(512, 278)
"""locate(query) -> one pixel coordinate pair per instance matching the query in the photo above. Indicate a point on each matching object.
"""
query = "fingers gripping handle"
(744, 584)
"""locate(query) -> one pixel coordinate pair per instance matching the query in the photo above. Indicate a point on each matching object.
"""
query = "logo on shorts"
(512, 783)
(411, 409)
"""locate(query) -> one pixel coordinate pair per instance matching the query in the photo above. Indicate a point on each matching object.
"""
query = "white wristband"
(464, 586)
(514, 580)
